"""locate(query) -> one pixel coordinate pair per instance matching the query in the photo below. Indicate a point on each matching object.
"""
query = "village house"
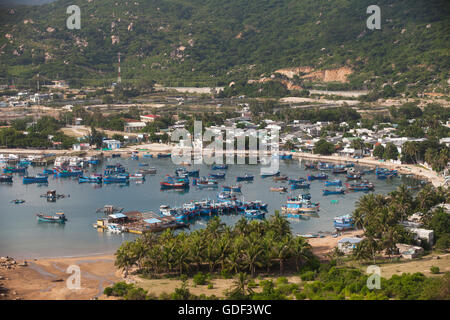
(149, 118)
(133, 125)
(347, 245)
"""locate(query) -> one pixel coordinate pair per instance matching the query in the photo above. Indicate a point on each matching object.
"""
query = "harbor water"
(22, 236)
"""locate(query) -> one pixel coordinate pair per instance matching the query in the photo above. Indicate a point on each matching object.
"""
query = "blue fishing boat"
(325, 166)
(337, 183)
(164, 155)
(353, 176)
(18, 201)
(327, 192)
(349, 165)
(95, 178)
(14, 169)
(299, 180)
(57, 218)
(134, 157)
(236, 189)
(285, 156)
(143, 164)
(246, 177)
(6, 178)
(320, 176)
(254, 214)
(35, 179)
(365, 186)
(343, 222)
(48, 171)
(147, 155)
(217, 175)
(310, 166)
(302, 185)
(170, 182)
(194, 173)
(220, 167)
(117, 178)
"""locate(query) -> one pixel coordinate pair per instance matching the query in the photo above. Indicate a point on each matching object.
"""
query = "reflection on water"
(22, 236)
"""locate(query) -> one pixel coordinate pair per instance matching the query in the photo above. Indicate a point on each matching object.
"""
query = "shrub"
(282, 280)
(200, 279)
(225, 274)
(308, 276)
(435, 270)
(300, 296)
(210, 286)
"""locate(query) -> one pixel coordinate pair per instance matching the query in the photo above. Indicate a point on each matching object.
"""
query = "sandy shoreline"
(45, 279)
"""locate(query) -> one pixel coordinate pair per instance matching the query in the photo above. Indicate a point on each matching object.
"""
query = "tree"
(323, 147)
(378, 151)
(391, 152)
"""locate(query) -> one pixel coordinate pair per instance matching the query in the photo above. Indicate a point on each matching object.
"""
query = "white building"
(112, 144)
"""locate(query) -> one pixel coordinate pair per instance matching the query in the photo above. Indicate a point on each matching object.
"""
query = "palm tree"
(282, 251)
(241, 288)
(280, 225)
(301, 250)
(125, 257)
(253, 254)
(197, 246)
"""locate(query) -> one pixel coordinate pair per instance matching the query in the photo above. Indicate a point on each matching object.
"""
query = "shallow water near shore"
(22, 236)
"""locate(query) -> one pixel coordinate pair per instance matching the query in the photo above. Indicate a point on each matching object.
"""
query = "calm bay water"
(22, 236)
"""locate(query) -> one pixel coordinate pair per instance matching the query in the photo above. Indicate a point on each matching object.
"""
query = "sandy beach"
(45, 279)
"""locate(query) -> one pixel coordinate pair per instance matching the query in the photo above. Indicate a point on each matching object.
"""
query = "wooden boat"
(343, 222)
(337, 183)
(57, 218)
(205, 183)
(220, 167)
(150, 170)
(320, 176)
(254, 214)
(15, 169)
(302, 185)
(327, 192)
(174, 183)
(339, 171)
(278, 189)
(285, 156)
(281, 178)
(6, 178)
(360, 187)
(164, 155)
(35, 179)
(217, 175)
(246, 177)
(94, 178)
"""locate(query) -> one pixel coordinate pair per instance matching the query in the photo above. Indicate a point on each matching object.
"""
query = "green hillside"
(212, 42)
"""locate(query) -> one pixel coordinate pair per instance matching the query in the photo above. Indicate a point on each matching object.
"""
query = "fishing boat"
(116, 155)
(48, 171)
(114, 169)
(278, 189)
(360, 186)
(385, 176)
(246, 177)
(299, 180)
(94, 178)
(226, 196)
(150, 170)
(254, 214)
(194, 173)
(339, 171)
(281, 178)
(220, 167)
(59, 217)
(166, 210)
(35, 179)
(320, 176)
(349, 165)
(6, 178)
(355, 176)
(137, 176)
(325, 166)
(163, 155)
(302, 185)
(343, 222)
(170, 182)
(61, 173)
(117, 178)
(134, 157)
(265, 175)
(15, 169)
(327, 192)
(18, 201)
(236, 189)
(310, 166)
(337, 183)
(180, 172)
(294, 206)
(147, 155)
(217, 175)
(285, 156)
(205, 183)
(93, 160)
(143, 164)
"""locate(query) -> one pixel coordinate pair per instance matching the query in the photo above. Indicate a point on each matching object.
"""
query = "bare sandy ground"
(321, 247)
(45, 279)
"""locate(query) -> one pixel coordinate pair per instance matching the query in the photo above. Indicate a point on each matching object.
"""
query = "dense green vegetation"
(193, 42)
(44, 133)
(254, 247)
(379, 216)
